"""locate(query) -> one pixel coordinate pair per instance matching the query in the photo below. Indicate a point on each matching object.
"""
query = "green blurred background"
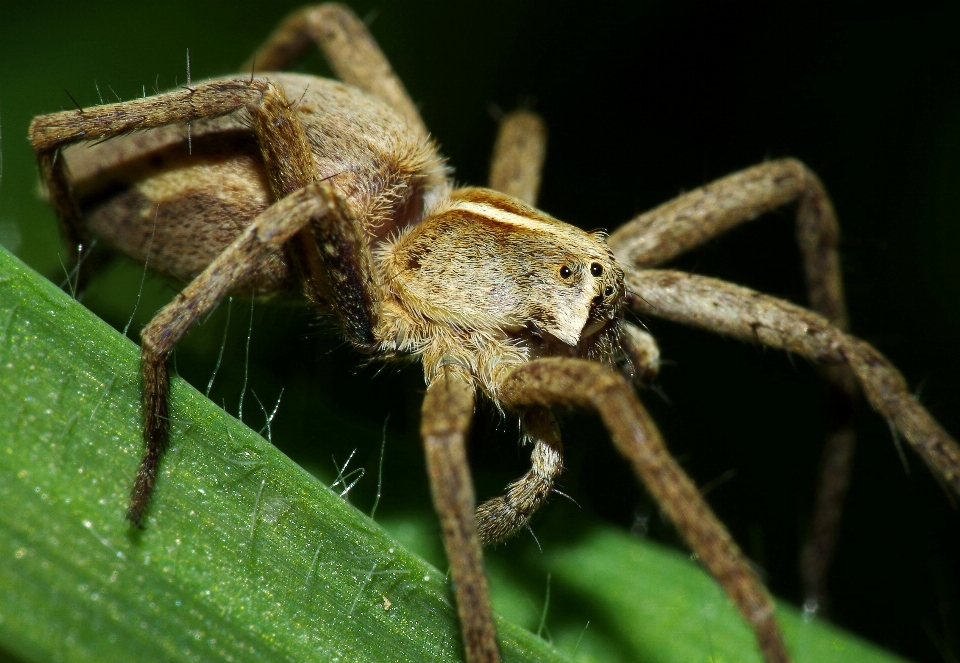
(643, 100)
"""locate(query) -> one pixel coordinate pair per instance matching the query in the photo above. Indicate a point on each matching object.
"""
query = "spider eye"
(596, 269)
(565, 272)
(608, 290)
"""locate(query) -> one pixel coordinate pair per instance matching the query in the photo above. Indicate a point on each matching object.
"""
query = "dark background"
(643, 100)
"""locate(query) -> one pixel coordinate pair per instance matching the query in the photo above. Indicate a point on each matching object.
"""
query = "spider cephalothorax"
(487, 282)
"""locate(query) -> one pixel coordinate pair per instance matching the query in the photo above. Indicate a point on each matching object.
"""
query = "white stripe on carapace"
(497, 214)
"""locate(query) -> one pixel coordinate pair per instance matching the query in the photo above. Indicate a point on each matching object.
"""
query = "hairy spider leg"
(690, 220)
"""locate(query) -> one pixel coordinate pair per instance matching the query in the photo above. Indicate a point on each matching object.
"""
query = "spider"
(322, 198)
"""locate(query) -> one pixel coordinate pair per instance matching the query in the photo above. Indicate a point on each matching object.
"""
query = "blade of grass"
(245, 557)
(655, 604)
(248, 557)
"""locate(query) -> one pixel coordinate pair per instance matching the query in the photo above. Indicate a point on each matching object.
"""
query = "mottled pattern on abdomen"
(193, 197)
(177, 212)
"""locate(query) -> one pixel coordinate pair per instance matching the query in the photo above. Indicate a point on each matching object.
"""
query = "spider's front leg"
(690, 220)
(501, 517)
(447, 412)
(575, 382)
(732, 310)
(694, 218)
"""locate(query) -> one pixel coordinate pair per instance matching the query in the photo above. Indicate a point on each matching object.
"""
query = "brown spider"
(263, 183)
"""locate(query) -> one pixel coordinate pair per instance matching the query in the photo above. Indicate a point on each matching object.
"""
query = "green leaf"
(245, 555)
(655, 605)
(248, 557)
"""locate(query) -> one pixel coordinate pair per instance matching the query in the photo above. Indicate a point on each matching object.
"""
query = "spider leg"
(643, 352)
(580, 383)
(325, 241)
(348, 46)
(518, 155)
(696, 217)
(502, 517)
(50, 134)
(735, 311)
(515, 169)
(447, 411)
(836, 468)
(265, 234)
(312, 219)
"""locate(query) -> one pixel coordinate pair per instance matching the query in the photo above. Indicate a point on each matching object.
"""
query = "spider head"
(487, 262)
(556, 279)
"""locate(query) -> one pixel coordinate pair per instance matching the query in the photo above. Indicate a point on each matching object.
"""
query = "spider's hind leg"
(348, 46)
(518, 153)
(265, 235)
(51, 134)
(326, 241)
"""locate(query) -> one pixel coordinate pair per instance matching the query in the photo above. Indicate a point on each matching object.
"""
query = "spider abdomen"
(182, 194)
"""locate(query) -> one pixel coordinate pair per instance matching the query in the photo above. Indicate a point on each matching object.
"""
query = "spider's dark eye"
(565, 272)
(596, 269)
(608, 290)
